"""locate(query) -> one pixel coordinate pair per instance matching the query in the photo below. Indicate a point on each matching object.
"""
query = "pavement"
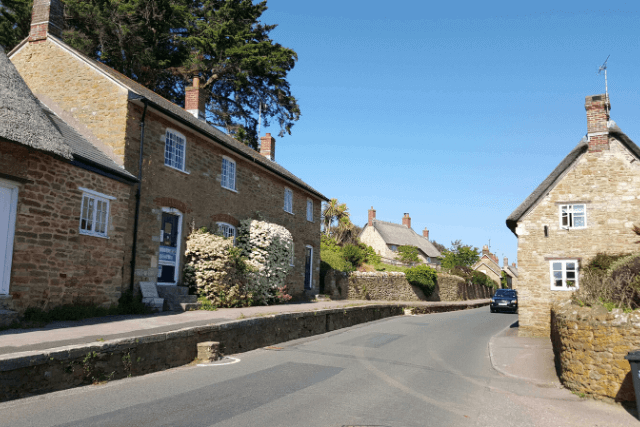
(62, 334)
(529, 359)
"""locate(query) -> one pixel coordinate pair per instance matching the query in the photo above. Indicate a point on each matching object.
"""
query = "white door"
(8, 204)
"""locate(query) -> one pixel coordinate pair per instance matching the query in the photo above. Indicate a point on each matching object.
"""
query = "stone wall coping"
(377, 273)
(12, 361)
(597, 315)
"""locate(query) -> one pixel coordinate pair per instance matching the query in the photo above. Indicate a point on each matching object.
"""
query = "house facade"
(385, 238)
(488, 264)
(63, 208)
(586, 206)
(190, 173)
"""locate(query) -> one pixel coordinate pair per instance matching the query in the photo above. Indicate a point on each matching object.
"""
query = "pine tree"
(15, 20)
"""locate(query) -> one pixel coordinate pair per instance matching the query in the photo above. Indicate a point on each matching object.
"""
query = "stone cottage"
(190, 173)
(63, 207)
(488, 264)
(385, 238)
(587, 205)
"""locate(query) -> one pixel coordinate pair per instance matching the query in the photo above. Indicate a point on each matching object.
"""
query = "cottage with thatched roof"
(63, 207)
(587, 205)
(385, 238)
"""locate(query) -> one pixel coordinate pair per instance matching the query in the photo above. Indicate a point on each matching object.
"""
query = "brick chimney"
(406, 220)
(268, 147)
(598, 108)
(485, 250)
(195, 99)
(47, 17)
(513, 264)
(425, 233)
(505, 262)
(372, 216)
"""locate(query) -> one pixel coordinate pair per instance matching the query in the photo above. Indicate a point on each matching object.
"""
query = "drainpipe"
(137, 212)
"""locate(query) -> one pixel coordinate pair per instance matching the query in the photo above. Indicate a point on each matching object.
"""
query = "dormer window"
(573, 216)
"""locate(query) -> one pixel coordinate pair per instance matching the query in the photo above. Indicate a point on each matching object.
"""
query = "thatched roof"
(21, 117)
(399, 234)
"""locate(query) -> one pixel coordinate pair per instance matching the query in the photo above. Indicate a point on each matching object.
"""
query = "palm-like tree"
(333, 212)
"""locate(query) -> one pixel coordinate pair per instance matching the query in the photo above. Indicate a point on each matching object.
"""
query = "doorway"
(308, 267)
(169, 255)
(8, 205)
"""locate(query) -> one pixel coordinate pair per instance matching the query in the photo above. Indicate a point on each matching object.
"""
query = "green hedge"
(423, 277)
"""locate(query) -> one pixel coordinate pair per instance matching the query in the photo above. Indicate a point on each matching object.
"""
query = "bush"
(370, 255)
(211, 270)
(353, 254)
(602, 262)
(479, 278)
(408, 254)
(423, 277)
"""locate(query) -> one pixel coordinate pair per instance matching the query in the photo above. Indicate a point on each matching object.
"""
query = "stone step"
(188, 306)
(7, 317)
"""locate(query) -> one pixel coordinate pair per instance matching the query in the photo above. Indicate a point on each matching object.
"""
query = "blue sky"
(453, 113)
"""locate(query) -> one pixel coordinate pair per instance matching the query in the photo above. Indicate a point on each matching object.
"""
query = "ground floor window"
(564, 274)
(227, 230)
(94, 213)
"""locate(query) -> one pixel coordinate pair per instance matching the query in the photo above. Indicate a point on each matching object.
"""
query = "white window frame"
(563, 265)
(309, 210)
(225, 227)
(393, 248)
(87, 195)
(570, 215)
(288, 201)
(227, 177)
(172, 161)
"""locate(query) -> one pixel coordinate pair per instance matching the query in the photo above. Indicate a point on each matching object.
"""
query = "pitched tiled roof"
(22, 119)
(398, 234)
(550, 181)
(489, 262)
(511, 270)
(82, 150)
(137, 91)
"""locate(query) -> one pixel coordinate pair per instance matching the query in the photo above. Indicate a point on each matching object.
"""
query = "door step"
(177, 298)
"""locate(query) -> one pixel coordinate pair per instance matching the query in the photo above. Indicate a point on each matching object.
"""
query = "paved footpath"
(60, 334)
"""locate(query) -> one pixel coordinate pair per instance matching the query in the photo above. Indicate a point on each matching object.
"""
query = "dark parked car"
(504, 300)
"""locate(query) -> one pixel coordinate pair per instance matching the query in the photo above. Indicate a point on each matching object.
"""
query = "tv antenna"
(603, 67)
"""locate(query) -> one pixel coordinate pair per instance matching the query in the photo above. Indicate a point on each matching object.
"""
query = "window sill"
(229, 189)
(290, 213)
(565, 289)
(310, 220)
(86, 233)
(179, 170)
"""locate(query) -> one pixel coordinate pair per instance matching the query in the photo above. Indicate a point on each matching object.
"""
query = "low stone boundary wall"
(393, 286)
(590, 345)
(37, 372)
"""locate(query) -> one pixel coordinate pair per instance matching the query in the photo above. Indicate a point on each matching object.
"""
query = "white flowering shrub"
(267, 248)
(214, 269)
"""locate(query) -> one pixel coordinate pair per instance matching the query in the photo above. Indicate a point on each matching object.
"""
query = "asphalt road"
(430, 370)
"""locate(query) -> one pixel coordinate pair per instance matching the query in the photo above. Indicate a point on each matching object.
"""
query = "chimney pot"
(425, 233)
(372, 216)
(406, 220)
(598, 107)
(268, 147)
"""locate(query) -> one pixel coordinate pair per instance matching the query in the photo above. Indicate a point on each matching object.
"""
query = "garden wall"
(590, 345)
(393, 286)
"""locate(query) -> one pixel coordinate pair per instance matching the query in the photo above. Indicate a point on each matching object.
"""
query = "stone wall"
(40, 372)
(607, 183)
(590, 345)
(393, 286)
(199, 196)
(53, 264)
